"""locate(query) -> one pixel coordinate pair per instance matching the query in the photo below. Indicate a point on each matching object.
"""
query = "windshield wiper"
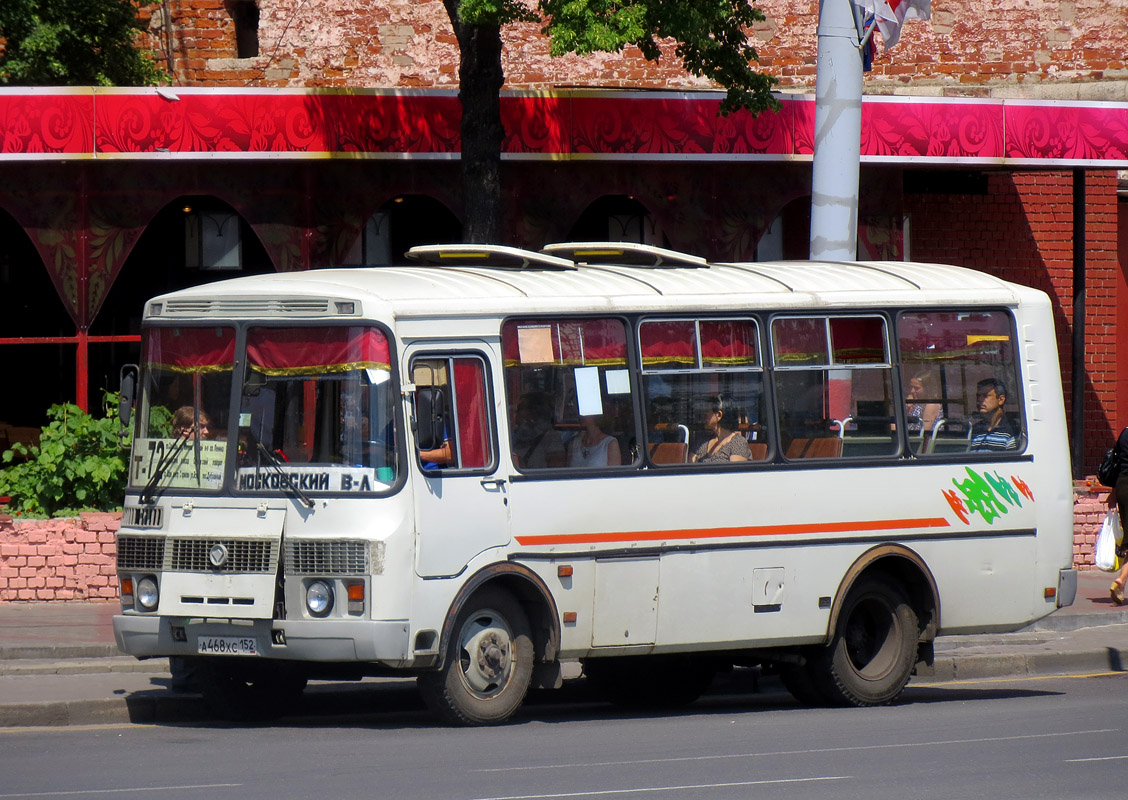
(286, 480)
(167, 460)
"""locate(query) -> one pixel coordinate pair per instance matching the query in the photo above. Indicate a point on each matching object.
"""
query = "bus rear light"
(356, 598)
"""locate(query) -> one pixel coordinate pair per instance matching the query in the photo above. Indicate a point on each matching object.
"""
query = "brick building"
(973, 162)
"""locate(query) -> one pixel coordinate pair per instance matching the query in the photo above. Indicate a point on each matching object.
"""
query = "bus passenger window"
(568, 391)
(834, 384)
(452, 424)
(703, 391)
(964, 363)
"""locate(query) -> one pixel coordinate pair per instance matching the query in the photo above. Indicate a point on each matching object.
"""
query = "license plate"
(227, 646)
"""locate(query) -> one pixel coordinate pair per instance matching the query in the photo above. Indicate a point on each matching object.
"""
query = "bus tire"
(237, 693)
(489, 663)
(870, 658)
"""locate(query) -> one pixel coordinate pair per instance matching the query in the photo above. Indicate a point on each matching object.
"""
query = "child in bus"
(184, 423)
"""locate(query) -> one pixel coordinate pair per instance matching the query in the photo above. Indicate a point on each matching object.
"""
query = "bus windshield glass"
(182, 417)
(316, 411)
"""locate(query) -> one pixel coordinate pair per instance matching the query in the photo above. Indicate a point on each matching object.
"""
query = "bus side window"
(568, 393)
(955, 365)
(452, 422)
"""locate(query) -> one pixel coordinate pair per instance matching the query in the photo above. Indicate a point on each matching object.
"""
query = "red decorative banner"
(262, 123)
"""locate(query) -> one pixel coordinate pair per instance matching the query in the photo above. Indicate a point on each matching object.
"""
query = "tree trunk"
(480, 79)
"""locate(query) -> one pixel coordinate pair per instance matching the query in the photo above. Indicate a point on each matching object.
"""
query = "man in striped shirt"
(994, 431)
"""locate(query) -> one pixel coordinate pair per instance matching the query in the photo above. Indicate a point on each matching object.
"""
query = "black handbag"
(1109, 470)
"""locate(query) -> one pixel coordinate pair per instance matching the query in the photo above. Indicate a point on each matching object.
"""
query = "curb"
(334, 702)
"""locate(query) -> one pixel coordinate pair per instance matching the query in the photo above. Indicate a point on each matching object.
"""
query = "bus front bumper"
(328, 640)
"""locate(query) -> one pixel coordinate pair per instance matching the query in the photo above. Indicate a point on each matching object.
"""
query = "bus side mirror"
(128, 384)
(430, 414)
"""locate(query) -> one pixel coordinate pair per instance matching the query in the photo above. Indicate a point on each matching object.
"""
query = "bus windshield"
(182, 421)
(316, 411)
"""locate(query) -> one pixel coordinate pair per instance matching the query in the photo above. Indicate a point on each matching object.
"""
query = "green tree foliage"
(73, 42)
(78, 465)
(710, 36)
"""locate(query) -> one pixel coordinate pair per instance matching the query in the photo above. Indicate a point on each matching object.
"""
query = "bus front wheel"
(871, 656)
(489, 663)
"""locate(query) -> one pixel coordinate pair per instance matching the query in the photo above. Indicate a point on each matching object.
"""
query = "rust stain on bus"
(720, 533)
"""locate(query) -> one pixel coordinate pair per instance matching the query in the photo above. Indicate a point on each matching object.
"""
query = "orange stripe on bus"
(721, 533)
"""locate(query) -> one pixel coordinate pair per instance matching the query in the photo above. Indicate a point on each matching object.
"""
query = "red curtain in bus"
(669, 344)
(857, 340)
(316, 351)
(190, 350)
(586, 342)
(471, 412)
(799, 341)
(728, 343)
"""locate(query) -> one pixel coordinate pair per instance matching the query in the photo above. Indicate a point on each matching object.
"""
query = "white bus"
(476, 468)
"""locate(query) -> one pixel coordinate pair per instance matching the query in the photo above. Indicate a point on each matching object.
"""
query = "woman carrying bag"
(1118, 499)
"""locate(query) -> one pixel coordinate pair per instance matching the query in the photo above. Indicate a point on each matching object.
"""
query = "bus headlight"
(319, 598)
(146, 593)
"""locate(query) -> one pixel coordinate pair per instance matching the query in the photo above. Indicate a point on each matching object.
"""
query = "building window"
(245, 15)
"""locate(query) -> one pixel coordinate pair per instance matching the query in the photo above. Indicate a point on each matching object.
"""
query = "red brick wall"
(59, 559)
(1022, 230)
(970, 46)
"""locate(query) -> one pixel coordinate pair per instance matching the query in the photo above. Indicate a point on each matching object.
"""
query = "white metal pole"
(838, 134)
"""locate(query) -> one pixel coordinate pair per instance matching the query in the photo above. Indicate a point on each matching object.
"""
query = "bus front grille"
(238, 555)
(320, 557)
(140, 552)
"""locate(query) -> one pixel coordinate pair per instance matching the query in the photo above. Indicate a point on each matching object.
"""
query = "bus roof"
(469, 290)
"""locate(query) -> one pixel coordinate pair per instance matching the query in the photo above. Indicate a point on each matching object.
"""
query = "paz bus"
(493, 461)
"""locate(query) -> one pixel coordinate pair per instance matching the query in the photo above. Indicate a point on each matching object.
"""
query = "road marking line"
(116, 791)
(799, 752)
(1102, 758)
(644, 789)
(1014, 680)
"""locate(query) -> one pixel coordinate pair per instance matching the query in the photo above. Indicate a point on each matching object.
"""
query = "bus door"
(460, 487)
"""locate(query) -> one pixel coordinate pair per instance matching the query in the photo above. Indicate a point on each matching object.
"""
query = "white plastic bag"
(1104, 555)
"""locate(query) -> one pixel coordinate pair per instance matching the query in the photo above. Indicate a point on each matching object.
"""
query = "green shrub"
(78, 465)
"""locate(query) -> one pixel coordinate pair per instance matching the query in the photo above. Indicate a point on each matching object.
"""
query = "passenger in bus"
(920, 416)
(994, 430)
(728, 444)
(593, 447)
(184, 424)
(536, 443)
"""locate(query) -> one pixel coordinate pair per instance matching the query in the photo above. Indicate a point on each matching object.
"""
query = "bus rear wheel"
(489, 663)
(871, 656)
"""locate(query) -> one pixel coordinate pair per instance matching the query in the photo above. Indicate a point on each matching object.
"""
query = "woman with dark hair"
(722, 419)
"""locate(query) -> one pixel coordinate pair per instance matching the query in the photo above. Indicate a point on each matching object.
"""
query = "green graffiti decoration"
(989, 496)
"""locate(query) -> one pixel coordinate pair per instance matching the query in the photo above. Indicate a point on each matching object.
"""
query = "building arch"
(399, 224)
(33, 310)
(618, 218)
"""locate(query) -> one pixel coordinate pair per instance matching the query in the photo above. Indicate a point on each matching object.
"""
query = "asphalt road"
(1047, 737)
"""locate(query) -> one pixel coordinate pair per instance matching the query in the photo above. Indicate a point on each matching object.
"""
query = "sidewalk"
(59, 664)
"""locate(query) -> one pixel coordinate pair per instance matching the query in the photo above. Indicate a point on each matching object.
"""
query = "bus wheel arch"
(885, 608)
(907, 568)
(500, 627)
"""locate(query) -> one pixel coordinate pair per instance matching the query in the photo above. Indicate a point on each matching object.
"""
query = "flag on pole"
(890, 15)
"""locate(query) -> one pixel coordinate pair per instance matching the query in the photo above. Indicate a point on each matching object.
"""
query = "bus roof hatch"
(485, 255)
(626, 254)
